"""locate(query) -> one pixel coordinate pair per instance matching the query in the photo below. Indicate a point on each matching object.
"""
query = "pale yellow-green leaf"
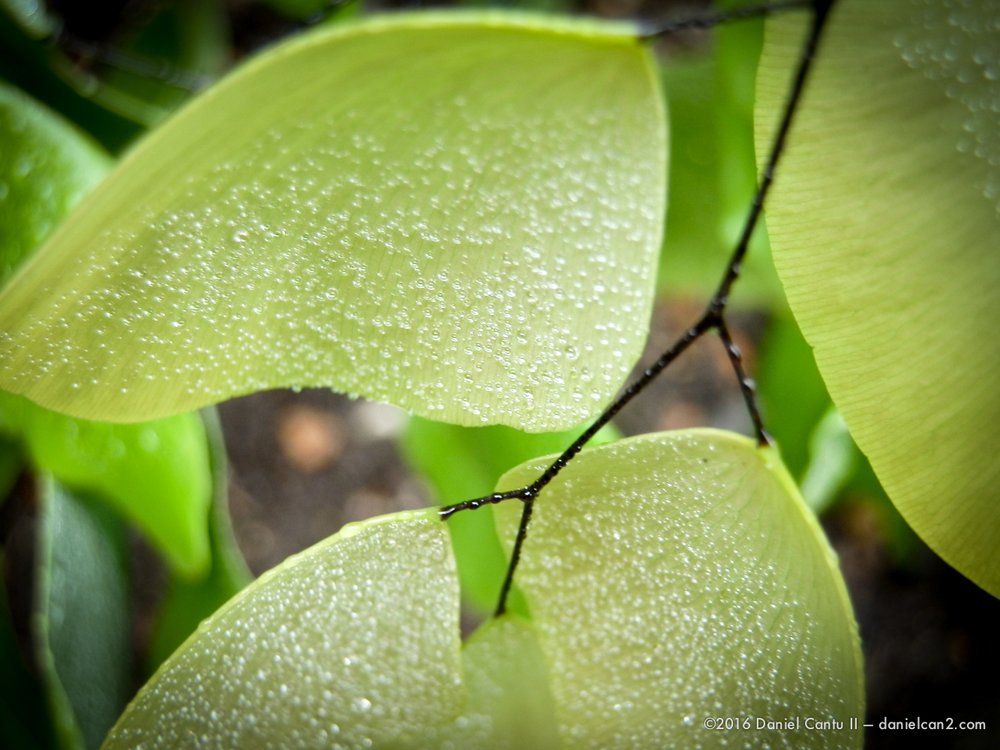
(354, 643)
(677, 578)
(885, 227)
(508, 700)
(455, 213)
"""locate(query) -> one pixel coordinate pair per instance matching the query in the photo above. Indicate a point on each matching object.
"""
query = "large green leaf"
(157, 474)
(885, 224)
(678, 577)
(81, 623)
(353, 643)
(458, 214)
(46, 167)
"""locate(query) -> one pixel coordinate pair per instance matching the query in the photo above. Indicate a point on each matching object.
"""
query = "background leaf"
(885, 223)
(712, 175)
(468, 228)
(81, 625)
(46, 167)
(156, 474)
(24, 722)
(188, 602)
(677, 577)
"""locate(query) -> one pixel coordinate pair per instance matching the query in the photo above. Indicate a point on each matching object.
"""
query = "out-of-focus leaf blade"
(81, 623)
(188, 602)
(31, 15)
(791, 391)
(712, 172)
(46, 167)
(678, 577)
(832, 459)
(156, 474)
(153, 69)
(455, 213)
(885, 224)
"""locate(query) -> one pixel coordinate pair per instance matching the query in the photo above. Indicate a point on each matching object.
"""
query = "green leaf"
(678, 577)
(188, 602)
(455, 213)
(81, 624)
(791, 390)
(712, 173)
(32, 16)
(46, 167)
(832, 459)
(460, 463)
(156, 474)
(353, 642)
(508, 702)
(885, 222)
(307, 10)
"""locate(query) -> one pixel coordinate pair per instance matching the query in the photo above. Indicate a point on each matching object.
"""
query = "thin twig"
(747, 387)
(712, 20)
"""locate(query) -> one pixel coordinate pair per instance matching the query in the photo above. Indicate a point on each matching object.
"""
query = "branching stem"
(713, 317)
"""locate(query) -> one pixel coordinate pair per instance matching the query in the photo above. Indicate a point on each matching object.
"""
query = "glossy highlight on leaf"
(455, 213)
(885, 224)
(677, 577)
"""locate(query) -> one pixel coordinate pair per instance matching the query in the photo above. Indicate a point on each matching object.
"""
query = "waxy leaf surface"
(353, 643)
(678, 577)
(885, 226)
(456, 214)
